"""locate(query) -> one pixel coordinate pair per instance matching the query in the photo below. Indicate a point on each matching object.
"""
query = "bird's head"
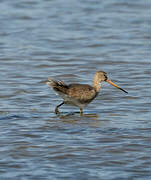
(102, 76)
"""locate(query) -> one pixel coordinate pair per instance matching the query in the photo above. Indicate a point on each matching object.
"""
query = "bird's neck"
(96, 84)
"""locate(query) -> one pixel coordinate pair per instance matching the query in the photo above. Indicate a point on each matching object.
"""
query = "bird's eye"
(105, 76)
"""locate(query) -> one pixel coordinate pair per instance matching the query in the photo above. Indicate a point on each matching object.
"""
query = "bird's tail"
(58, 86)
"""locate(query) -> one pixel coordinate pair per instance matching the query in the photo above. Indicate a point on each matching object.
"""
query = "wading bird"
(79, 95)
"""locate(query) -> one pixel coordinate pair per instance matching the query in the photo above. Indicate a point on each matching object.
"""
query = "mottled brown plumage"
(79, 94)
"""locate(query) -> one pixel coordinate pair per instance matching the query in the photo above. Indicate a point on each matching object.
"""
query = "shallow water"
(71, 40)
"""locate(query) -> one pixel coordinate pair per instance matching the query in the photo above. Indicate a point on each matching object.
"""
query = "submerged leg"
(56, 109)
(81, 111)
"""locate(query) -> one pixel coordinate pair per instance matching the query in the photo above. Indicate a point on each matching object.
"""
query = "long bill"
(113, 84)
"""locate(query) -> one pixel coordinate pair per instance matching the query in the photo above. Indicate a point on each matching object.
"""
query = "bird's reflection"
(91, 119)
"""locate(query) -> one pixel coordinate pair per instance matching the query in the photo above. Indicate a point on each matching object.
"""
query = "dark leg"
(56, 109)
(81, 111)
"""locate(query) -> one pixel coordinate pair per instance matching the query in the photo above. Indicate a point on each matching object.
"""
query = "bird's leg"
(81, 111)
(56, 109)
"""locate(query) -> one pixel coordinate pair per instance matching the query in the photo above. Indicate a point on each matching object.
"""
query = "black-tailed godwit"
(79, 95)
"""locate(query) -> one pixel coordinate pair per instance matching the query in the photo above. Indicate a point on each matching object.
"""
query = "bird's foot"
(81, 112)
(56, 110)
